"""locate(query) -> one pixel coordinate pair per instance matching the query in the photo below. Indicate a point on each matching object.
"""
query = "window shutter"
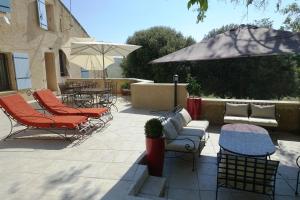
(84, 73)
(22, 69)
(42, 14)
(5, 6)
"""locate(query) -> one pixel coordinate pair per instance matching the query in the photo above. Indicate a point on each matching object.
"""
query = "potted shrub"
(155, 146)
(193, 101)
(125, 89)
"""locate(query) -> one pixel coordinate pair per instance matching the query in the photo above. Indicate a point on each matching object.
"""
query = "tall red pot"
(194, 107)
(155, 149)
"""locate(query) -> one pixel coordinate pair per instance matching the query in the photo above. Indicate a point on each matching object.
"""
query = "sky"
(116, 20)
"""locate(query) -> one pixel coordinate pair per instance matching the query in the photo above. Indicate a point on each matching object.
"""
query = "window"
(22, 69)
(5, 6)
(63, 63)
(84, 73)
(46, 15)
(4, 76)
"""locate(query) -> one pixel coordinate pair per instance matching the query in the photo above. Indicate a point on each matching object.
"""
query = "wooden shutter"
(5, 6)
(42, 14)
(22, 69)
(84, 73)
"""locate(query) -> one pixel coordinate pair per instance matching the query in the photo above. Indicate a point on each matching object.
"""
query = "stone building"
(35, 38)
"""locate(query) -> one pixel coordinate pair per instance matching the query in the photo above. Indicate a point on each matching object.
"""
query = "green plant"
(193, 86)
(153, 128)
(125, 86)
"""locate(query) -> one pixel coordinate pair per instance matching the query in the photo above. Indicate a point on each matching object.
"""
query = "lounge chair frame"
(298, 174)
(78, 130)
(250, 174)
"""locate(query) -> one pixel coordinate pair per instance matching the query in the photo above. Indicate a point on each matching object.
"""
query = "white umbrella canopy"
(103, 49)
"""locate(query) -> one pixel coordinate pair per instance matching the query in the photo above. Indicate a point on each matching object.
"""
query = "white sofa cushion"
(185, 115)
(178, 122)
(202, 124)
(263, 111)
(263, 122)
(169, 130)
(240, 110)
(181, 142)
(192, 131)
(235, 119)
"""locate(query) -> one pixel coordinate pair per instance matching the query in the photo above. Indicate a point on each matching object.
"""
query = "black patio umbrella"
(245, 41)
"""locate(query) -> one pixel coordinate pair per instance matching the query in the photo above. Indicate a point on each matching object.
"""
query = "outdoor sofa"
(182, 134)
(256, 114)
(18, 110)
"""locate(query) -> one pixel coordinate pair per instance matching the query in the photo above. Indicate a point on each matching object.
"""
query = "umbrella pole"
(103, 66)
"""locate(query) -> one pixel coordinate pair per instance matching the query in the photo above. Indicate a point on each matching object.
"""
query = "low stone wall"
(157, 96)
(100, 81)
(160, 96)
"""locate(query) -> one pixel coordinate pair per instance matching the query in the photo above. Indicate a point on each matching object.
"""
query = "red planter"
(194, 107)
(155, 149)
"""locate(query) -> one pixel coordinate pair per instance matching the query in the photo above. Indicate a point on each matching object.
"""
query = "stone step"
(153, 187)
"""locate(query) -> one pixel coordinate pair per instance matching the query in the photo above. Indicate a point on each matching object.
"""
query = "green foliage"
(193, 86)
(125, 86)
(292, 20)
(156, 42)
(153, 128)
(202, 5)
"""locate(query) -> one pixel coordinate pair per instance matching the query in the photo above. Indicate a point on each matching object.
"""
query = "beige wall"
(157, 96)
(25, 35)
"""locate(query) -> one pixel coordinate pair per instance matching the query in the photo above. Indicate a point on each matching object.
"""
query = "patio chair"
(17, 109)
(48, 100)
(297, 182)
(176, 142)
(246, 173)
(67, 95)
(109, 99)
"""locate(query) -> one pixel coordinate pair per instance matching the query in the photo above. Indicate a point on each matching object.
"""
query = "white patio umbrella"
(103, 49)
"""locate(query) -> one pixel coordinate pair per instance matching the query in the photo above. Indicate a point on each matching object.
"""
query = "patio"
(103, 165)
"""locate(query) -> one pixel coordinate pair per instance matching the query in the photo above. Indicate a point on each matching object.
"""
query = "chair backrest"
(18, 108)
(48, 100)
(247, 173)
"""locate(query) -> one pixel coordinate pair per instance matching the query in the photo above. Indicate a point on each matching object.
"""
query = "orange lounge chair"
(17, 109)
(48, 100)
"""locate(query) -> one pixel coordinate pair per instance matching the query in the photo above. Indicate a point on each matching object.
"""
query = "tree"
(202, 5)
(292, 20)
(156, 42)
(265, 23)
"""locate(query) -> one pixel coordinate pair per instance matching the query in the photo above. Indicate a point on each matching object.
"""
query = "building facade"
(35, 37)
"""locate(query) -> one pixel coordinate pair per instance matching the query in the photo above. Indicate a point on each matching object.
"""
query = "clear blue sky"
(116, 20)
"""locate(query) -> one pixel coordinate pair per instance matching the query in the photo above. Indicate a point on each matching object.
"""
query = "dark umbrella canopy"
(245, 41)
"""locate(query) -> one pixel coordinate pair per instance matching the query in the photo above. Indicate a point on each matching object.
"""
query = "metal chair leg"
(297, 184)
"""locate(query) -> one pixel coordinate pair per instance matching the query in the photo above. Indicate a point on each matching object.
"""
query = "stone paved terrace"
(102, 166)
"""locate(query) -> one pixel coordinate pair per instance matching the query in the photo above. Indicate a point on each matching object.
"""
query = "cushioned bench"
(184, 134)
(261, 115)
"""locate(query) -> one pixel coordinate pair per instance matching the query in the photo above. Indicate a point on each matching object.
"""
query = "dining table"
(246, 140)
(96, 94)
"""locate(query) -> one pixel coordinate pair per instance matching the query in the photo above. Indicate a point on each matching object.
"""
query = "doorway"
(4, 77)
(50, 71)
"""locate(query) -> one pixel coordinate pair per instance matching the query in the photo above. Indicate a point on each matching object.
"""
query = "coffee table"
(247, 140)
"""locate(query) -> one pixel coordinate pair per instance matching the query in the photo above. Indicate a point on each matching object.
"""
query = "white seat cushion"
(202, 124)
(185, 115)
(192, 131)
(263, 122)
(235, 119)
(169, 130)
(183, 144)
